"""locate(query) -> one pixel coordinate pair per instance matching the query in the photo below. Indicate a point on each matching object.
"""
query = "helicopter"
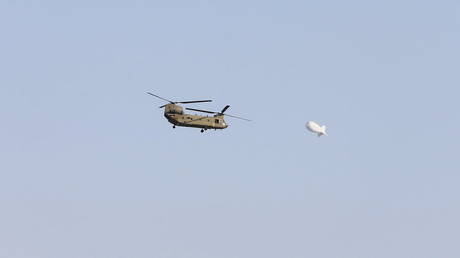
(176, 116)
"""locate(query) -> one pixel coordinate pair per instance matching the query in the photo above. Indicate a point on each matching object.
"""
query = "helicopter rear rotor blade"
(238, 117)
(225, 108)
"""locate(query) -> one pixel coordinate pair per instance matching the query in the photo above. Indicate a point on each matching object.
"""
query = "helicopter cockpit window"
(176, 111)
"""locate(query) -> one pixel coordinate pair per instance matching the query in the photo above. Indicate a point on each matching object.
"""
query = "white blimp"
(316, 128)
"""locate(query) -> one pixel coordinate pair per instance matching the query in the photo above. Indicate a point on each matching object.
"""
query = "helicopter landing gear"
(174, 126)
(202, 130)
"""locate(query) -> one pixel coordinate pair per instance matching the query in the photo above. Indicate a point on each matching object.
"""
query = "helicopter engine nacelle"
(174, 109)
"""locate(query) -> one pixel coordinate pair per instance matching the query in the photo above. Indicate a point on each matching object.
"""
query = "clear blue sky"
(91, 169)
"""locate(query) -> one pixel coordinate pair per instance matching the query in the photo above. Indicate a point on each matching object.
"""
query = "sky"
(90, 168)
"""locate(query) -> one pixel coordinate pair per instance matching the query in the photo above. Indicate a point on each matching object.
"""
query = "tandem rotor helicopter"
(176, 116)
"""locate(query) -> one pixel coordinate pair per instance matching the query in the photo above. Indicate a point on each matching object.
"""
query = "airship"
(316, 128)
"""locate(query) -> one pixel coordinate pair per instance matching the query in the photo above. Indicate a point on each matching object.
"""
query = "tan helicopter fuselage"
(176, 116)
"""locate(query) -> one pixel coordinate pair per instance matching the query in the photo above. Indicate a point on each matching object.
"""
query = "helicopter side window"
(217, 121)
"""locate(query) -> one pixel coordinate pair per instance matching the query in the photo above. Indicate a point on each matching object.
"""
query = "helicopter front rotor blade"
(199, 110)
(193, 101)
(160, 97)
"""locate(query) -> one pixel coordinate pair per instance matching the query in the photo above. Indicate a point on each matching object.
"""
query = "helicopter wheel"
(174, 126)
(202, 130)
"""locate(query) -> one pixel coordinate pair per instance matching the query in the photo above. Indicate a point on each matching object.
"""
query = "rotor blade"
(199, 110)
(238, 117)
(225, 108)
(160, 97)
(194, 101)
